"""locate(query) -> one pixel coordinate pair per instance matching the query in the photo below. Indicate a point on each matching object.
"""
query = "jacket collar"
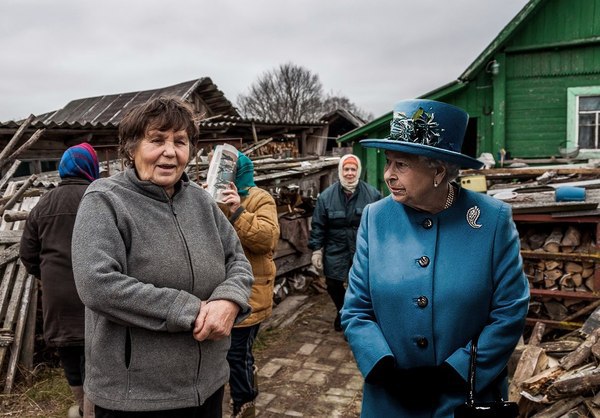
(72, 180)
(154, 191)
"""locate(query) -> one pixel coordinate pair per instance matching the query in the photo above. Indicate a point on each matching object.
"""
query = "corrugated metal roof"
(107, 111)
(229, 120)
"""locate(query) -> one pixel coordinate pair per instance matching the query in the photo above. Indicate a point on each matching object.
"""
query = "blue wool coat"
(422, 286)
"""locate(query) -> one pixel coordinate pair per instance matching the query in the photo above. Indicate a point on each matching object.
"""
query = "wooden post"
(10, 173)
(37, 135)
(28, 349)
(13, 141)
(15, 198)
(19, 331)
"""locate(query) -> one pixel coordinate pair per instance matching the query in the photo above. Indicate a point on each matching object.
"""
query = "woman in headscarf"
(253, 213)
(436, 266)
(335, 221)
(45, 251)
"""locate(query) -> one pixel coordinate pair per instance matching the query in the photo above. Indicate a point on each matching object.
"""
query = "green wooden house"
(534, 92)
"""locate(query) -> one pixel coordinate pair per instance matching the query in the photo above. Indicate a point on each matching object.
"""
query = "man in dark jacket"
(45, 251)
(334, 225)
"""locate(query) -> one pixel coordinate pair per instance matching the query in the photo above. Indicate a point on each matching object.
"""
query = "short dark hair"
(163, 113)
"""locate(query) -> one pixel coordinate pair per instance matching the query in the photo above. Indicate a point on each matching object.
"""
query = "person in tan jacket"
(253, 213)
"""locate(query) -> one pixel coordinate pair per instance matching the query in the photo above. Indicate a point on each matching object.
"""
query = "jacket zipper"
(189, 259)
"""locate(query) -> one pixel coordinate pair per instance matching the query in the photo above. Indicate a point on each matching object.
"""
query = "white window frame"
(573, 94)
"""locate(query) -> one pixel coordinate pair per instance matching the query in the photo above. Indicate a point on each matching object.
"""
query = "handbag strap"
(472, 374)
(472, 368)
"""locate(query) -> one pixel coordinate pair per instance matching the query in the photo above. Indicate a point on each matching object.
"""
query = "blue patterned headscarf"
(80, 161)
(244, 174)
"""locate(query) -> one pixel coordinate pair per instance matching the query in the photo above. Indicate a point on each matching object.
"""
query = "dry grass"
(48, 396)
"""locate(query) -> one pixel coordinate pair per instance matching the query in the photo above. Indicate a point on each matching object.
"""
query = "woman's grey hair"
(452, 170)
(162, 113)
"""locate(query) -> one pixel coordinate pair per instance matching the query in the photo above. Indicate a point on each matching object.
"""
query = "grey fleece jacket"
(142, 264)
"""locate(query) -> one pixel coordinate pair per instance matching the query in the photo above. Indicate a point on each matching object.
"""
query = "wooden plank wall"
(17, 290)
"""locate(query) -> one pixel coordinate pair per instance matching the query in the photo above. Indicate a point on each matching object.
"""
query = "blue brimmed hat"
(425, 127)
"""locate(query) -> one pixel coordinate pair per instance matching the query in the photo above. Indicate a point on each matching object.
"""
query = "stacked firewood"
(558, 378)
(283, 149)
(561, 258)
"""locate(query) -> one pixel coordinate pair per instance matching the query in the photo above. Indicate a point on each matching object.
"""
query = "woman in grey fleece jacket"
(162, 275)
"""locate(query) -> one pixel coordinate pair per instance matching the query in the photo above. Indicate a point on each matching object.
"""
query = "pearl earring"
(435, 183)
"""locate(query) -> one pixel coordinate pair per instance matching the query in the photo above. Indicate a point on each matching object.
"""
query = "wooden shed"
(96, 120)
(532, 93)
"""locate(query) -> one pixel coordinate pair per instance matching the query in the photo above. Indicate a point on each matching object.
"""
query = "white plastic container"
(221, 170)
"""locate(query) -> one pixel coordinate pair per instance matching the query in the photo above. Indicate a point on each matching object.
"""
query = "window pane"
(589, 103)
(587, 119)
(586, 137)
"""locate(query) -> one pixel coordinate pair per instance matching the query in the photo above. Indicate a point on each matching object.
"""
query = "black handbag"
(471, 409)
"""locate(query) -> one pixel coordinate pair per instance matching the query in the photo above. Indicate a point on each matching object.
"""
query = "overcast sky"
(375, 52)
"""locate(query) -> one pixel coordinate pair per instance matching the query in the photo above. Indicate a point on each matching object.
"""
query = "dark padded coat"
(45, 251)
(335, 222)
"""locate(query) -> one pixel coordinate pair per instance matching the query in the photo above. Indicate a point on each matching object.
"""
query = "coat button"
(422, 342)
(424, 261)
(422, 301)
(427, 223)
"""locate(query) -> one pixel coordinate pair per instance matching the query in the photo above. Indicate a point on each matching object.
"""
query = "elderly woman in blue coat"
(435, 266)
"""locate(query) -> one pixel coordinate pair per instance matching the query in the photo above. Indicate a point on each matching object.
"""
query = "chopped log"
(566, 283)
(539, 383)
(577, 384)
(559, 408)
(572, 267)
(10, 237)
(553, 275)
(560, 347)
(539, 276)
(15, 215)
(524, 243)
(582, 353)
(536, 240)
(572, 237)
(567, 250)
(596, 399)
(583, 311)
(593, 410)
(532, 361)
(552, 242)
(596, 350)
(556, 310)
(587, 271)
(536, 334)
(570, 280)
(589, 283)
(553, 264)
(577, 279)
(587, 243)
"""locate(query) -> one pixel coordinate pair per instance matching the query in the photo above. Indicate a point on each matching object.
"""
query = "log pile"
(558, 378)
(560, 262)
